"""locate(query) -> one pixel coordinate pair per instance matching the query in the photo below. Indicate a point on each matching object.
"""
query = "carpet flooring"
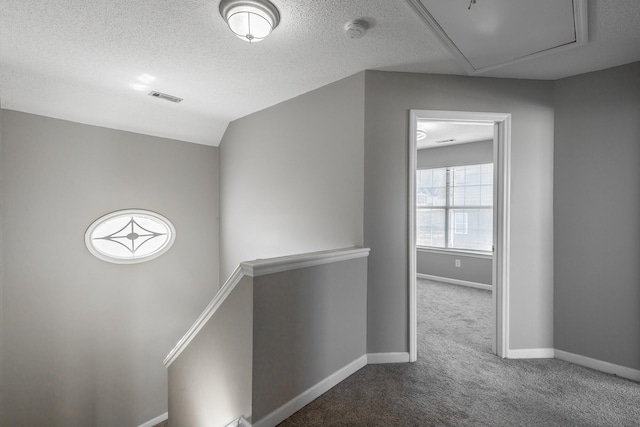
(457, 381)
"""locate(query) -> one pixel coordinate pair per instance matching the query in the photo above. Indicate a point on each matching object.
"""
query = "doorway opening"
(499, 126)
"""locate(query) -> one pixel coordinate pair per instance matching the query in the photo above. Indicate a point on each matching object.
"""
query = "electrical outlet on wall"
(457, 263)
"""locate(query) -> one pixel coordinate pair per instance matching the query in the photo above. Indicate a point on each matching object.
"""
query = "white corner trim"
(413, 255)
(531, 353)
(260, 267)
(380, 358)
(156, 420)
(306, 397)
(215, 303)
(599, 365)
(456, 281)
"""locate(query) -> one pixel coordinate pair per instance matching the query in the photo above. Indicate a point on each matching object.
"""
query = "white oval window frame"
(129, 212)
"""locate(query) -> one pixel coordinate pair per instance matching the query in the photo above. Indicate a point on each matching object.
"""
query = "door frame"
(501, 220)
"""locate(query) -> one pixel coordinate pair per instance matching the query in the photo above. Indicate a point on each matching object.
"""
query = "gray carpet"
(458, 382)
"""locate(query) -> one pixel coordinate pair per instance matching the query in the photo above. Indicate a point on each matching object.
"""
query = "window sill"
(460, 252)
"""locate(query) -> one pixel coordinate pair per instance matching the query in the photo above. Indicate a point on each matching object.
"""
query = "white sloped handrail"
(216, 302)
(257, 268)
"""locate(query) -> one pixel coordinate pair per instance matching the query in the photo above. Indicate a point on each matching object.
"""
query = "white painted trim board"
(156, 420)
(258, 268)
(599, 365)
(261, 267)
(308, 396)
(530, 353)
(204, 317)
(502, 209)
(239, 422)
(577, 359)
(456, 281)
(380, 358)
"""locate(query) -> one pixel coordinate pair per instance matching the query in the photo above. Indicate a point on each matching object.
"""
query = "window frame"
(132, 213)
(448, 208)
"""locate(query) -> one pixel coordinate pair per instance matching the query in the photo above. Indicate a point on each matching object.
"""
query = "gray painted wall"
(210, 381)
(472, 269)
(388, 99)
(596, 200)
(308, 323)
(84, 339)
(292, 176)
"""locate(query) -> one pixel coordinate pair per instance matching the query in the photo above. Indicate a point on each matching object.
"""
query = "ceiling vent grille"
(165, 96)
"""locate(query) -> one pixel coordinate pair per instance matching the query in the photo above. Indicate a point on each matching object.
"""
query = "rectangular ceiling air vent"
(165, 96)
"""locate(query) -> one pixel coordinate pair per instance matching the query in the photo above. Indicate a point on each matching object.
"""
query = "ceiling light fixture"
(250, 20)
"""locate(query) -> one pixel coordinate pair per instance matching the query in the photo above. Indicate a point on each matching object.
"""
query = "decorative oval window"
(130, 236)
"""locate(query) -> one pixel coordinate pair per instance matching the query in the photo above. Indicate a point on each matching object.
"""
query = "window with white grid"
(455, 207)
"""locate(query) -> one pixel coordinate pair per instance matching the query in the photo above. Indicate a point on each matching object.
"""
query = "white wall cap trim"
(599, 365)
(217, 300)
(456, 281)
(380, 358)
(261, 267)
(156, 420)
(312, 393)
(531, 353)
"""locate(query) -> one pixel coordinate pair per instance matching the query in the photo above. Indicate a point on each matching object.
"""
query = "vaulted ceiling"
(95, 61)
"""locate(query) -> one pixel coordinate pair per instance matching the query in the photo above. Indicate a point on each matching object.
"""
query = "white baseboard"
(240, 422)
(531, 353)
(599, 365)
(306, 397)
(156, 420)
(455, 281)
(378, 358)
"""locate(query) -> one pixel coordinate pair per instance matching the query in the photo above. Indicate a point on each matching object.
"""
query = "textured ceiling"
(460, 133)
(82, 60)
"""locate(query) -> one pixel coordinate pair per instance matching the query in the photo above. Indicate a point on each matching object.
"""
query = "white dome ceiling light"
(250, 20)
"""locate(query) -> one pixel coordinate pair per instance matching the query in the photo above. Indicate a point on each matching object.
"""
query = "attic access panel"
(495, 33)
